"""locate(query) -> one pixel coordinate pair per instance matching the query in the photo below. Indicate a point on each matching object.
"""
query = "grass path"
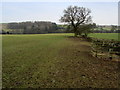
(54, 61)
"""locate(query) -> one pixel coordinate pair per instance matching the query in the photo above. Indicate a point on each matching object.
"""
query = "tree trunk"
(75, 32)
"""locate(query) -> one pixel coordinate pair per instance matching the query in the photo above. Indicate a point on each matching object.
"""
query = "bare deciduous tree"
(75, 16)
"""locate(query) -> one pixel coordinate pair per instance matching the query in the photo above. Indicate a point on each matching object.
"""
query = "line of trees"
(27, 28)
(107, 29)
(30, 28)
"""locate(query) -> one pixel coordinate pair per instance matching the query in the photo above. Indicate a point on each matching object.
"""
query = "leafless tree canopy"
(75, 16)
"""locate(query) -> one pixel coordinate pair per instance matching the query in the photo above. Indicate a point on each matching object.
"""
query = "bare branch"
(76, 16)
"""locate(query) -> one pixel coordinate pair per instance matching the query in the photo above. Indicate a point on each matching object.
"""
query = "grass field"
(54, 60)
(114, 36)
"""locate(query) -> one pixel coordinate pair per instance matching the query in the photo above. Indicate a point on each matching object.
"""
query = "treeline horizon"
(39, 27)
(43, 27)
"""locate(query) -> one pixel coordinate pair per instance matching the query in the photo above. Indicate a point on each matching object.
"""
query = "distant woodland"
(30, 28)
(43, 27)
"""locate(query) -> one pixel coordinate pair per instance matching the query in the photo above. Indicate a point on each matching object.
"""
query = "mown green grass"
(114, 36)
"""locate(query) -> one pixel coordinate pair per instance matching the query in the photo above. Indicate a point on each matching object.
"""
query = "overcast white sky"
(102, 12)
